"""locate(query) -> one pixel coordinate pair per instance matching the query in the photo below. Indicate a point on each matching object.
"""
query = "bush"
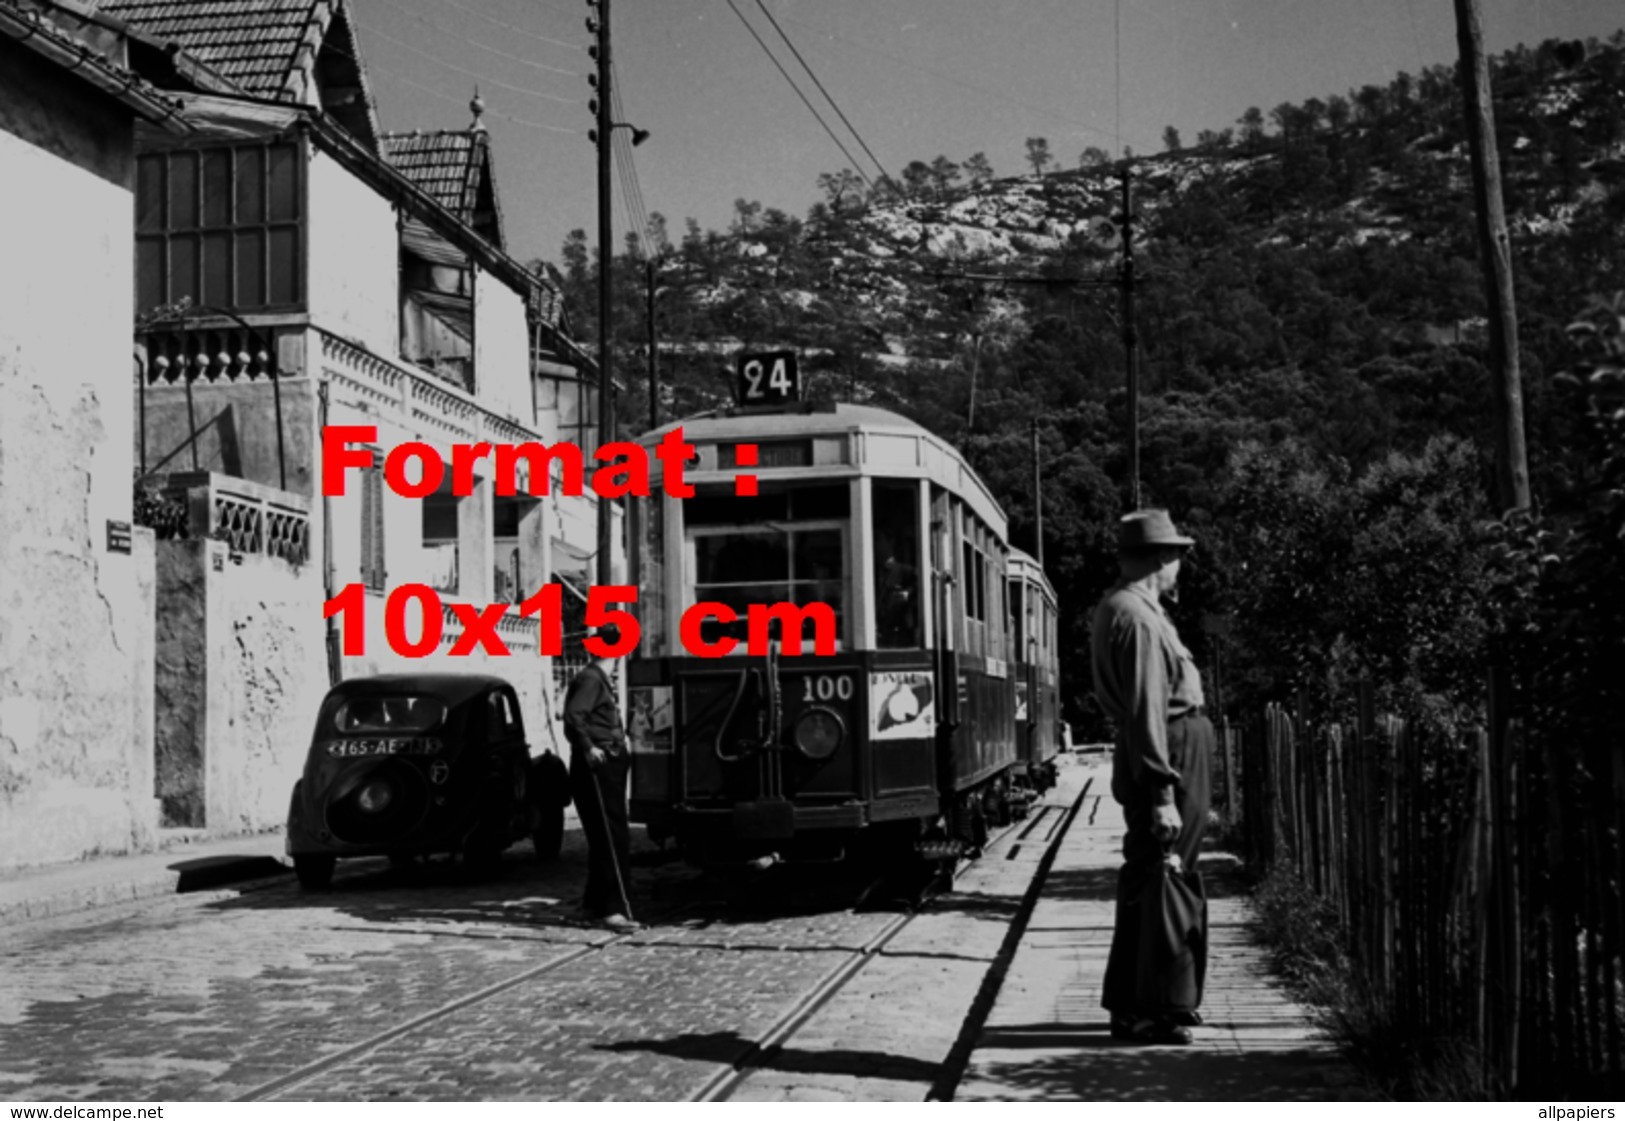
(163, 513)
(1305, 941)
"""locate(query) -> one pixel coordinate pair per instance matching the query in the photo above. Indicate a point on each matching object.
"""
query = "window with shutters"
(441, 556)
(372, 524)
(221, 226)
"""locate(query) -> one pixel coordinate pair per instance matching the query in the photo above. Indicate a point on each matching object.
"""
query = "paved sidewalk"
(1047, 1038)
(185, 862)
(182, 865)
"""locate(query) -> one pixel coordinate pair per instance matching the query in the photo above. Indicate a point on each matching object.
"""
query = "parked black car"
(409, 765)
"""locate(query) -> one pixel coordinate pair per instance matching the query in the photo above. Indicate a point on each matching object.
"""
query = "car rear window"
(389, 714)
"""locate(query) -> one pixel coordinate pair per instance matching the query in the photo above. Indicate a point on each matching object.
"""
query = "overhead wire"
(810, 107)
(635, 186)
(470, 73)
(493, 112)
(620, 157)
(622, 160)
(636, 220)
(373, 66)
(508, 26)
(532, 63)
(949, 78)
(827, 97)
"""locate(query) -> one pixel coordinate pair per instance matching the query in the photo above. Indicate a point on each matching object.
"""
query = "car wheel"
(548, 837)
(314, 872)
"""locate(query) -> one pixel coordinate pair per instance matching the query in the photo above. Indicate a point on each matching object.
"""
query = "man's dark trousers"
(600, 798)
(1134, 985)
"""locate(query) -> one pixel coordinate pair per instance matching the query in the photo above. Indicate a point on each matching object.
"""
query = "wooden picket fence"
(1479, 880)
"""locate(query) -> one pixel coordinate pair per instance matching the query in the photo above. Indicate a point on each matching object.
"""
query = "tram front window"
(744, 565)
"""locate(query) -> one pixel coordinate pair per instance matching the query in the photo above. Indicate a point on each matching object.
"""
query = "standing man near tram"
(1148, 684)
(599, 763)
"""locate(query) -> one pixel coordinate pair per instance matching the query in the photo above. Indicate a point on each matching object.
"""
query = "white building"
(294, 268)
(76, 595)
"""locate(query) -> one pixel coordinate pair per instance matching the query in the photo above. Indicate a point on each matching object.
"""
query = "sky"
(916, 79)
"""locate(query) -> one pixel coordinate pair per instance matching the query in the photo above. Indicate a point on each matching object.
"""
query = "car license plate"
(394, 745)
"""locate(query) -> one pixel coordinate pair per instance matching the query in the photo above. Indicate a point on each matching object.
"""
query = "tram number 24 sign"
(768, 378)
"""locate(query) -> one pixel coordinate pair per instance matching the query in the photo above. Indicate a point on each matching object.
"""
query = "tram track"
(727, 1081)
(266, 1090)
(729, 1078)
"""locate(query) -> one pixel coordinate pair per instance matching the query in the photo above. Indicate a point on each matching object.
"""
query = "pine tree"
(1038, 153)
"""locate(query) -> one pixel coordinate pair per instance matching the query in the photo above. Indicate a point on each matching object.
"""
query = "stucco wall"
(270, 673)
(354, 271)
(242, 669)
(181, 681)
(502, 349)
(236, 431)
(73, 777)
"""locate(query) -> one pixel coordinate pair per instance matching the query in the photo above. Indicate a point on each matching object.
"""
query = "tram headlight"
(818, 733)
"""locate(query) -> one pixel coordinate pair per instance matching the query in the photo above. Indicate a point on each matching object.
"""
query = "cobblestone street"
(420, 985)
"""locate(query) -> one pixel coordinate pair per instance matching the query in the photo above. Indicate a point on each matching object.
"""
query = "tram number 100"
(605, 608)
(825, 687)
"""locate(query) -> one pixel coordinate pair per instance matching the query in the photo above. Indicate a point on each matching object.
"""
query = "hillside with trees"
(1315, 404)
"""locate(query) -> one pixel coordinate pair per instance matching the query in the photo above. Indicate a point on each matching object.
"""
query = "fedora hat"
(1148, 529)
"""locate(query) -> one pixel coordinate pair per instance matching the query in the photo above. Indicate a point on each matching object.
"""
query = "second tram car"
(1034, 637)
(906, 735)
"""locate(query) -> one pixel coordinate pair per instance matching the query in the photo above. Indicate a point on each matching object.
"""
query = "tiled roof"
(454, 169)
(446, 165)
(78, 47)
(252, 42)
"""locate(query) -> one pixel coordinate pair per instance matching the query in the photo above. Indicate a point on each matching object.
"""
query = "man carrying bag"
(1148, 684)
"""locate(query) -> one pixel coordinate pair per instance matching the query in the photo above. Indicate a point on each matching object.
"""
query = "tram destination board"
(767, 379)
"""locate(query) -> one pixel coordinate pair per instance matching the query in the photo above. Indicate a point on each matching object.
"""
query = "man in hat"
(598, 767)
(1147, 682)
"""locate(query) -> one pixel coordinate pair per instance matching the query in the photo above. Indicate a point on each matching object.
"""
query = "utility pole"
(1511, 492)
(654, 360)
(1038, 500)
(1131, 345)
(604, 136)
(1511, 458)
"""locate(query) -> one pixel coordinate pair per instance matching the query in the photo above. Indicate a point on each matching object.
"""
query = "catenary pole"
(1503, 945)
(1038, 502)
(606, 395)
(654, 358)
(1131, 345)
(1511, 457)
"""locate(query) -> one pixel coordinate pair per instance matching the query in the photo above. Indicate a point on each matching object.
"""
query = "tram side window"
(1016, 629)
(896, 526)
(1000, 611)
(942, 560)
(977, 572)
(969, 575)
(1035, 624)
(993, 586)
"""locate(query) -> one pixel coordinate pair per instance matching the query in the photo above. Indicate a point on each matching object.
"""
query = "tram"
(908, 735)
(1034, 635)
